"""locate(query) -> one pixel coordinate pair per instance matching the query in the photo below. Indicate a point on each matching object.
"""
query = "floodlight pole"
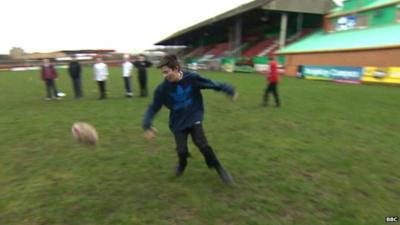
(238, 33)
(282, 36)
(299, 23)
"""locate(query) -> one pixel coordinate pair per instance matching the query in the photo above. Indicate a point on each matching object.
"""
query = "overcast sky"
(123, 25)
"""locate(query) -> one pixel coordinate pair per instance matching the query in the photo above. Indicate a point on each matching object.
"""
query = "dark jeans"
(51, 86)
(199, 140)
(272, 87)
(143, 84)
(102, 89)
(127, 82)
(77, 85)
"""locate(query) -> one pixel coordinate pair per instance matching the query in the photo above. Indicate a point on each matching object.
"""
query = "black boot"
(224, 175)
(179, 170)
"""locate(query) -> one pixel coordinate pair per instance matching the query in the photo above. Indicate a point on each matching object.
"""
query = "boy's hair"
(171, 61)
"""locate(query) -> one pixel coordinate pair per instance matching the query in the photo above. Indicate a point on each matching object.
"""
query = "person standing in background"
(273, 80)
(49, 75)
(74, 69)
(126, 74)
(141, 64)
(100, 70)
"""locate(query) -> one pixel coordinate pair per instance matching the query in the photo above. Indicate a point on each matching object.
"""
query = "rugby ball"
(84, 133)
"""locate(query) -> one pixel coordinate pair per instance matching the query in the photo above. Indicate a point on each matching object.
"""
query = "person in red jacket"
(49, 74)
(273, 80)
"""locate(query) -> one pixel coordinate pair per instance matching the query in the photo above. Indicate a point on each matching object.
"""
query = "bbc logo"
(391, 219)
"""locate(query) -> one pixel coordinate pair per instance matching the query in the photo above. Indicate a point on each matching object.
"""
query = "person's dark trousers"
(143, 84)
(200, 141)
(102, 89)
(51, 86)
(127, 82)
(272, 87)
(76, 83)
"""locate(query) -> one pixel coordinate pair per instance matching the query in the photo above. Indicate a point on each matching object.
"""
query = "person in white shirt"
(126, 74)
(100, 70)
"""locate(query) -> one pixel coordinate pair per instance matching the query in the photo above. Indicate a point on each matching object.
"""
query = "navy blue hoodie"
(183, 99)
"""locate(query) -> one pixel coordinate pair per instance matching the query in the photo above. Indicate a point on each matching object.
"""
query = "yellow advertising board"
(390, 75)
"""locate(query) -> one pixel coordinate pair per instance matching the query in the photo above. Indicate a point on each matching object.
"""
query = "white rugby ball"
(85, 133)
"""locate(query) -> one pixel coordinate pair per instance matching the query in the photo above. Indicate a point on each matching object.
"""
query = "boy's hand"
(150, 133)
(235, 96)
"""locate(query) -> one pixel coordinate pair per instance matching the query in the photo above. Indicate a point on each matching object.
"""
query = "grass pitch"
(329, 155)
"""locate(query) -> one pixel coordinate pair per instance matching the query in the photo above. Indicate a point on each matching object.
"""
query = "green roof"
(379, 2)
(341, 10)
(384, 36)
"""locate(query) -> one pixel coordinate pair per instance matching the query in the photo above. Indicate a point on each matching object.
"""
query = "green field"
(329, 155)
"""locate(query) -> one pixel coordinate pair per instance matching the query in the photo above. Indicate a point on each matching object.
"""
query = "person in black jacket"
(74, 70)
(141, 64)
(180, 92)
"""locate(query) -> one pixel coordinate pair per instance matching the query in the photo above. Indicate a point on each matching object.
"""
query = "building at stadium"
(249, 33)
(356, 42)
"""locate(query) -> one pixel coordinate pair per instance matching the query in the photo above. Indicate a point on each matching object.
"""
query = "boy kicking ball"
(180, 92)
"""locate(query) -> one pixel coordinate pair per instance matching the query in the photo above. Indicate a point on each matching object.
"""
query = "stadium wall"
(387, 57)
